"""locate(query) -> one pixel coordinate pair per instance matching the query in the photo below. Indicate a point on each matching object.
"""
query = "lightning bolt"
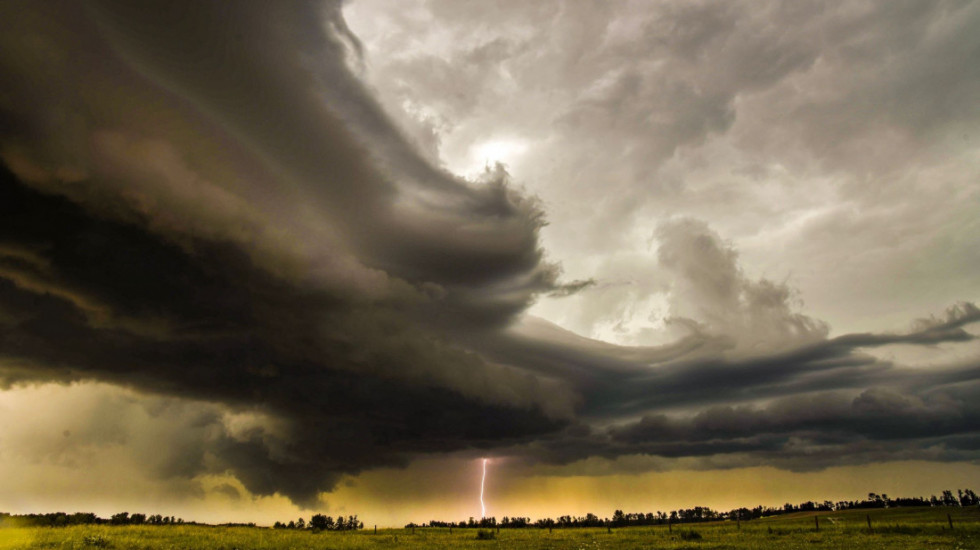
(483, 482)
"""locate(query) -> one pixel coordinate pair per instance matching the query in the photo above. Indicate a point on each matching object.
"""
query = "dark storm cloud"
(202, 201)
(284, 90)
(697, 371)
(116, 272)
(216, 328)
(873, 414)
(815, 431)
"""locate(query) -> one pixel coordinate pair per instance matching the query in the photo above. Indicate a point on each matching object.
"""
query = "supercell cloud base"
(261, 259)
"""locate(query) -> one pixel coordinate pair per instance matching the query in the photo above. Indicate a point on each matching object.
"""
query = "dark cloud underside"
(112, 302)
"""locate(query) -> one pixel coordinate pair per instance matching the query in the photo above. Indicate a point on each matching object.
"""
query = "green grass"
(903, 528)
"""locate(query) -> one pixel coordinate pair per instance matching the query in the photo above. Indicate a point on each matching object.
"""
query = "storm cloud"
(214, 206)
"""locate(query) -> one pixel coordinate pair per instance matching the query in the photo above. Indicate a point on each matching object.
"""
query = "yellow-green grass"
(901, 528)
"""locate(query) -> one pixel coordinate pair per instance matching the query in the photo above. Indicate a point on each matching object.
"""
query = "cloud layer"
(208, 205)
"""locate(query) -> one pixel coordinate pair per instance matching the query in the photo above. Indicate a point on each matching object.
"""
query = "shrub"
(690, 535)
(96, 540)
(485, 535)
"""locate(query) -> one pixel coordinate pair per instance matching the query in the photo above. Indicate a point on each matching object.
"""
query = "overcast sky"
(258, 259)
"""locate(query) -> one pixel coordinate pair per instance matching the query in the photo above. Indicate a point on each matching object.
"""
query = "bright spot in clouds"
(486, 154)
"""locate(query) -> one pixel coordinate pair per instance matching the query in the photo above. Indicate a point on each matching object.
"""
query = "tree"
(122, 518)
(318, 522)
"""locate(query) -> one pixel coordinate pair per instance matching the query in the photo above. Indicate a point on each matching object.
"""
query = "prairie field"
(901, 528)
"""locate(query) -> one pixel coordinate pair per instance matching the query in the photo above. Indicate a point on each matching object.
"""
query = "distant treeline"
(320, 522)
(61, 519)
(966, 497)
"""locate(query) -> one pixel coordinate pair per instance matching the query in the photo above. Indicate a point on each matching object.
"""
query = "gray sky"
(833, 146)
(318, 252)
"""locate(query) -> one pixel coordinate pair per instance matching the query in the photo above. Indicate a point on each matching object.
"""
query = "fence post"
(869, 523)
(816, 521)
(375, 529)
(949, 518)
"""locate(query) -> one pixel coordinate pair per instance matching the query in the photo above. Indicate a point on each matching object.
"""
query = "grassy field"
(905, 528)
